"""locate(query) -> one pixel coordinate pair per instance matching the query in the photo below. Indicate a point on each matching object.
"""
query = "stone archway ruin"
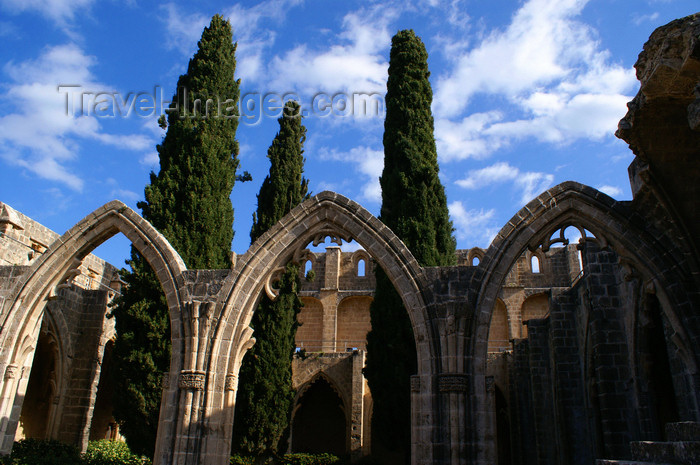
(23, 310)
(644, 250)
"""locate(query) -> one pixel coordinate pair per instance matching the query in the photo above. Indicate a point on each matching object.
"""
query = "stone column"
(357, 414)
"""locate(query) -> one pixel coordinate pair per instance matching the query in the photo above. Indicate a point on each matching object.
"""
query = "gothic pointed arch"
(23, 309)
(325, 215)
(655, 254)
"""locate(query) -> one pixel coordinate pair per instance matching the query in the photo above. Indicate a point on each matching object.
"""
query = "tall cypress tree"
(265, 395)
(414, 206)
(188, 201)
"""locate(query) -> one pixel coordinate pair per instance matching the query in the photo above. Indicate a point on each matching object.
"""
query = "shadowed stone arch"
(23, 309)
(655, 255)
(326, 214)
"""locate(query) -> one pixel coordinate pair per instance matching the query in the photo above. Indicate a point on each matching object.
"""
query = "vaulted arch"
(24, 308)
(652, 253)
(325, 215)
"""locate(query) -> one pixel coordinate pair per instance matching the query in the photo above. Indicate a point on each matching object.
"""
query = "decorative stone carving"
(336, 236)
(11, 371)
(551, 237)
(490, 384)
(230, 384)
(193, 381)
(452, 382)
(415, 383)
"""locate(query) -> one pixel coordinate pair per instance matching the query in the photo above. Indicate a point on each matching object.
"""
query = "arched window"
(308, 266)
(361, 267)
(535, 264)
(475, 260)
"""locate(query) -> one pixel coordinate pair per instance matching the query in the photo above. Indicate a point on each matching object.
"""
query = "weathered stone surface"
(661, 126)
(683, 431)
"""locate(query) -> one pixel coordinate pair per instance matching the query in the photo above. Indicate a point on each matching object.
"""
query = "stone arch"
(344, 410)
(357, 257)
(654, 254)
(24, 307)
(326, 214)
(475, 253)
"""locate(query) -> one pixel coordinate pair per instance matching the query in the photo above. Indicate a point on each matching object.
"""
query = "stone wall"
(75, 326)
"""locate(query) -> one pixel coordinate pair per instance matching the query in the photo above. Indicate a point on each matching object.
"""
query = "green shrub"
(310, 459)
(106, 452)
(42, 452)
(241, 460)
(291, 459)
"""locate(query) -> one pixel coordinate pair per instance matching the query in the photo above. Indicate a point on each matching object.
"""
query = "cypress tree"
(265, 395)
(414, 206)
(188, 201)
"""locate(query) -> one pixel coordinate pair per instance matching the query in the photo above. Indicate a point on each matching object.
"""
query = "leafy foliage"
(188, 201)
(107, 452)
(290, 459)
(284, 187)
(265, 396)
(42, 452)
(414, 206)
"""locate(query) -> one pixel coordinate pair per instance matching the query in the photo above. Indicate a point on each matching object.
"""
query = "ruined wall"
(75, 326)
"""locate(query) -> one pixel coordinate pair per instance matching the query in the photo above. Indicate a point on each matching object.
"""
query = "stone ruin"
(533, 351)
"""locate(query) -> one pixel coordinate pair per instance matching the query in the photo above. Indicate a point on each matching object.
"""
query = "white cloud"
(638, 19)
(43, 135)
(368, 162)
(475, 227)
(355, 64)
(612, 191)
(549, 68)
(465, 139)
(530, 184)
(61, 12)
(185, 29)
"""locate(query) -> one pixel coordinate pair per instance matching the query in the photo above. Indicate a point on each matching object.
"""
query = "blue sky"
(527, 94)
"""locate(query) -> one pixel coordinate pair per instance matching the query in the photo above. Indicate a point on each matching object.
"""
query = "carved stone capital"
(452, 382)
(230, 384)
(415, 383)
(192, 380)
(10, 372)
(490, 384)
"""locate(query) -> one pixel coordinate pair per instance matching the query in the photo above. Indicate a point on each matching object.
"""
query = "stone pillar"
(491, 446)
(357, 414)
(452, 391)
(329, 300)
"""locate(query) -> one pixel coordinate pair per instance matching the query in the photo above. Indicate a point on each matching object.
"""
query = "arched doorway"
(319, 423)
(40, 400)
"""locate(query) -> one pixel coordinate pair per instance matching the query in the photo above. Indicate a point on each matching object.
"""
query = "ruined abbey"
(574, 338)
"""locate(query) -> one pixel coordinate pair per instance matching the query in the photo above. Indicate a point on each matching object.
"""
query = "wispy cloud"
(37, 133)
(355, 63)
(528, 183)
(612, 191)
(184, 30)
(474, 227)
(368, 162)
(553, 81)
(61, 12)
(638, 19)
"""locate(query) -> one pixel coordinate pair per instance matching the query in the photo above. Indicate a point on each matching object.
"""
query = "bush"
(291, 459)
(241, 460)
(310, 459)
(42, 452)
(106, 452)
